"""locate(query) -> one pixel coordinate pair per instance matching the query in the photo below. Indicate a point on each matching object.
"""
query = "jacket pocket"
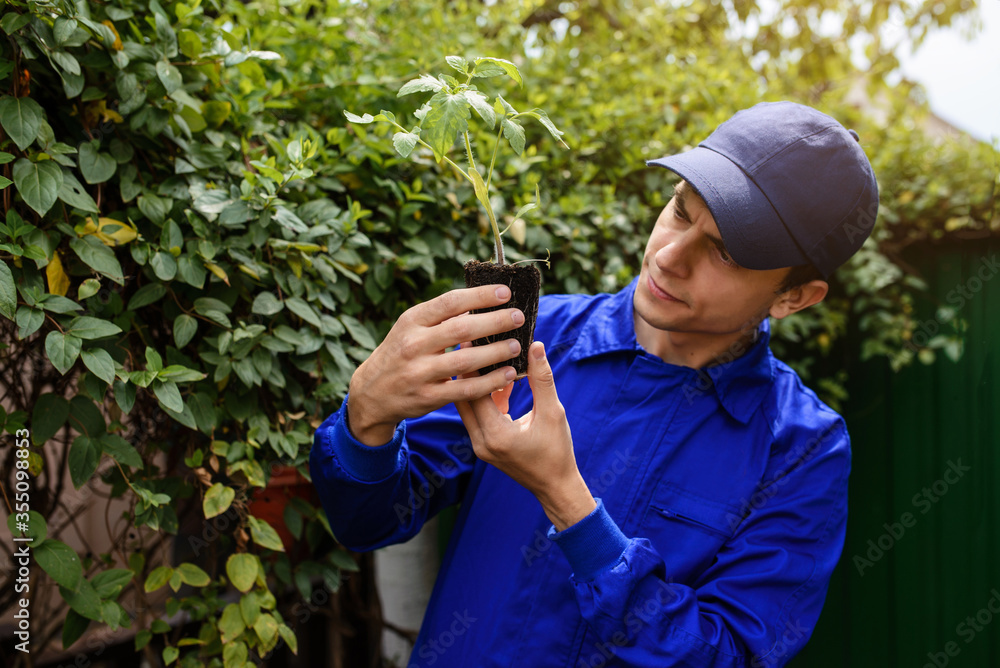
(693, 521)
(687, 529)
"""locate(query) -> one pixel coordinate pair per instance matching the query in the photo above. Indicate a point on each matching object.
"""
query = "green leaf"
(264, 534)
(60, 561)
(218, 498)
(234, 655)
(73, 193)
(242, 570)
(189, 43)
(487, 67)
(153, 360)
(447, 118)
(84, 600)
(12, 21)
(362, 120)
(86, 327)
(88, 288)
(179, 374)
(63, 29)
(482, 107)
(164, 266)
(84, 456)
(289, 637)
(8, 292)
(159, 577)
(98, 257)
(100, 363)
(184, 329)
(66, 62)
(514, 133)
(29, 321)
(125, 395)
(74, 626)
(424, 83)
(266, 628)
(165, 35)
(170, 654)
(544, 119)
(459, 63)
(37, 528)
(265, 303)
(169, 395)
(301, 308)
(193, 575)
(62, 350)
(231, 623)
(96, 167)
(108, 584)
(146, 295)
(38, 183)
(404, 142)
(250, 608)
(142, 639)
(49, 414)
(21, 118)
(121, 450)
(479, 187)
(215, 112)
(169, 76)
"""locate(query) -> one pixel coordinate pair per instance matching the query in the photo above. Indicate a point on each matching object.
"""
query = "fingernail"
(515, 346)
(503, 292)
(517, 317)
(539, 351)
(511, 374)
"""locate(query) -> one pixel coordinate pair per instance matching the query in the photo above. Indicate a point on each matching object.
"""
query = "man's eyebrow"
(680, 199)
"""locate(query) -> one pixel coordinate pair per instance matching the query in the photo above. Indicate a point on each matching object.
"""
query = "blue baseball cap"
(787, 185)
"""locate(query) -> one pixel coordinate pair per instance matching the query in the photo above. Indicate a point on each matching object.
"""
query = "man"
(681, 500)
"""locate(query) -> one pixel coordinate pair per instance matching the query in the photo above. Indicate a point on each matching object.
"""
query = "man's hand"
(410, 373)
(537, 449)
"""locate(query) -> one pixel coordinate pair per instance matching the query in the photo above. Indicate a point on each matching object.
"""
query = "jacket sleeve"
(755, 605)
(377, 496)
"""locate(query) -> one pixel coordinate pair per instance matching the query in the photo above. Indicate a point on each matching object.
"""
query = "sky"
(961, 77)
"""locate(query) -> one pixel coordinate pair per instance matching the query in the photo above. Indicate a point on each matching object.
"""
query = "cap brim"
(750, 227)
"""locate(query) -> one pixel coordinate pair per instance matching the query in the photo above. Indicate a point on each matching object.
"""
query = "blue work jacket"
(721, 514)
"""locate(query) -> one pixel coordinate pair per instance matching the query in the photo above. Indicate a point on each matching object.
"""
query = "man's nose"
(677, 254)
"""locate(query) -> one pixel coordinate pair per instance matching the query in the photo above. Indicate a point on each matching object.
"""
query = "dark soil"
(524, 282)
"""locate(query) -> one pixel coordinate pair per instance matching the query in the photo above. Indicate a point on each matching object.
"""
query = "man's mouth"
(659, 292)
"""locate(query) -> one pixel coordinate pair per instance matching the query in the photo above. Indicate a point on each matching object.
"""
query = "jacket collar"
(740, 383)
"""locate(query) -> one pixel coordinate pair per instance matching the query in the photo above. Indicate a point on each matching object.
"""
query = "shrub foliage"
(197, 249)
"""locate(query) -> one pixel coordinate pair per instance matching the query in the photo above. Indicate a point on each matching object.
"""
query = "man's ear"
(796, 299)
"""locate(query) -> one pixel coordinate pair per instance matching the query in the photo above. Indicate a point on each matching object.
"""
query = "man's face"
(690, 284)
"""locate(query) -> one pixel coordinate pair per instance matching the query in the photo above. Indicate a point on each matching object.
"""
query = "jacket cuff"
(366, 463)
(592, 544)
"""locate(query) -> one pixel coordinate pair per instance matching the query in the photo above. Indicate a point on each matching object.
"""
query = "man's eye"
(726, 258)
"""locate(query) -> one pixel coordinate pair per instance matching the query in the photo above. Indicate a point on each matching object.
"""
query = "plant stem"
(468, 150)
(489, 174)
(497, 241)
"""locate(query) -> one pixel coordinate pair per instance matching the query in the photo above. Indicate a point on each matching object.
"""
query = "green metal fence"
(919, 581)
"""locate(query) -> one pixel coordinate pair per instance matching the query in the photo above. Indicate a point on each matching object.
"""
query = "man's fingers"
(457, 302)
(470, 358)
(502, 398)
(543, 384)
(473, 326)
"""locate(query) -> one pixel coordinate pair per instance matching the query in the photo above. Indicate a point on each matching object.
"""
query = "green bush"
(197, 249)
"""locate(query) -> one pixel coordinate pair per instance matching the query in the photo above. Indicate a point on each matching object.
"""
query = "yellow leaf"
(117, 46)
(519, 230)
(248, 271)
(117, 232)
(111, 232)
(218, 271)
(58, 281)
